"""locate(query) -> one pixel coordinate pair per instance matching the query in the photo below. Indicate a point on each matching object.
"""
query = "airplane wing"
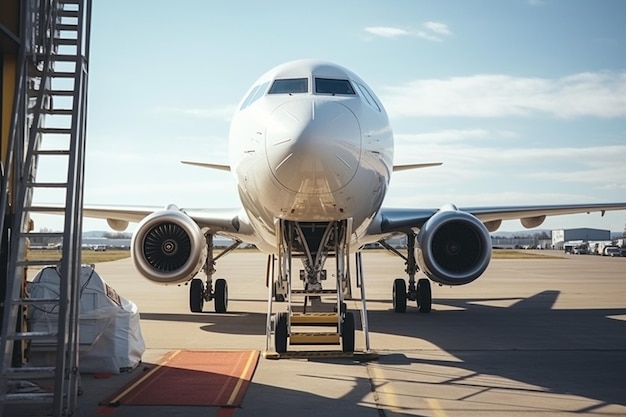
(230, 222)
(407, 167)
(219, 167)
(398, 219)
(220, 221)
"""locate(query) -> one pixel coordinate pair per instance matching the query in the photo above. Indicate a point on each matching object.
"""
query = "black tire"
(424, 295)
(196, 295)
(281, 333)
(347, 333)
(399, 295)
(221, 296)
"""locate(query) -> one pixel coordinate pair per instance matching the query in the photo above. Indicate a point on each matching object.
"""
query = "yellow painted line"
(436, 407)
(383, 386)
(237, 388)
(143, 378)
(391, 398)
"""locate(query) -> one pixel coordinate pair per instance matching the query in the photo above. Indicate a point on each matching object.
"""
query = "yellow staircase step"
(315, 338)
(313, 319)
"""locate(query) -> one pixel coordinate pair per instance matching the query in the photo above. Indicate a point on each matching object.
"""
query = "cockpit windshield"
(290, 86)
(333, 86)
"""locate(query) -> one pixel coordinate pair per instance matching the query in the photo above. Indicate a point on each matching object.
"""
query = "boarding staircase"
(46, 163)
(310, 316)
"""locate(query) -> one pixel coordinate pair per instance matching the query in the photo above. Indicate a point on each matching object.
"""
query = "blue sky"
(523, 100)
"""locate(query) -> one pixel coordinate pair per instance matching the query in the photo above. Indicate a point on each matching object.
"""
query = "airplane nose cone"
(319, 141)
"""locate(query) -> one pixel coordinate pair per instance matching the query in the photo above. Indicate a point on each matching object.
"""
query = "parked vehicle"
(612, 251)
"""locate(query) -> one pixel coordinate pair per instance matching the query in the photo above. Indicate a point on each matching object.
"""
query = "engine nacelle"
(168, 247)
(454, 247)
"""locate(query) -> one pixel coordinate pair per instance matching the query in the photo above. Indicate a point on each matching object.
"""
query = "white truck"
(612, 251)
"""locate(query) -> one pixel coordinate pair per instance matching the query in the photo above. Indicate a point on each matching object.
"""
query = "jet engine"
(454, 247)
(168, 247)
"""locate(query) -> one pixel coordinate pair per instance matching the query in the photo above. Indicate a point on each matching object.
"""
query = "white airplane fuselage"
(313, 153)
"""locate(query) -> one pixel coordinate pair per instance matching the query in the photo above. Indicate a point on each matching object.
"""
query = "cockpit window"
(256, 93)
(289, 86)
(367, 96)
(333, 86)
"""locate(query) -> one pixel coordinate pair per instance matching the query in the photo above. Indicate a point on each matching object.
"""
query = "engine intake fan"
(454, 247)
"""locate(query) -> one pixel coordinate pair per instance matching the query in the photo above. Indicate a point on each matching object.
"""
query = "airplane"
(311, 152)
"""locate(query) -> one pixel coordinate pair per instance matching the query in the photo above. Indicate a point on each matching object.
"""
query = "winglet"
(219, 167)
(407, 167)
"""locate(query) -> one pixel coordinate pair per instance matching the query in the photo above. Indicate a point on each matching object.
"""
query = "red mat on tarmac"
(205, 378)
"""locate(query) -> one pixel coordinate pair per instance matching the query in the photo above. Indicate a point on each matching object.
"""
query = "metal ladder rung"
(60, 112)
(66, 41)
(28, 398)
(42, 234)
(62, 74)
(66, 26)
(56, 130)
(40, 262)
(45, 209)
(32, 336)
(47, 184)
(38, 372)
(36, 301)
(66, 93)
(68, 13)
(63, 58)
(51, 152)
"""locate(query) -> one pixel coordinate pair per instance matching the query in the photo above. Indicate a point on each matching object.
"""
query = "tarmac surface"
(531, 337)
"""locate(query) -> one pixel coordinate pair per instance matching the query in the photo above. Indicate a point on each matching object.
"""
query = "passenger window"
(333, 86)
(289, 86)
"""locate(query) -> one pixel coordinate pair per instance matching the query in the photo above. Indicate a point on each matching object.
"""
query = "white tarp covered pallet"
(109, 331)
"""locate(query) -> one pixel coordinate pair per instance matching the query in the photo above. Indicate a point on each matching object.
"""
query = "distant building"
(559, 237)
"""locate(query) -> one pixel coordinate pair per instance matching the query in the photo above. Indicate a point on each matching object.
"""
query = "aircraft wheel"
(280, 333)
(399, 295)
(424, 295)
(221, 296)
(196, 295)
(347, 333)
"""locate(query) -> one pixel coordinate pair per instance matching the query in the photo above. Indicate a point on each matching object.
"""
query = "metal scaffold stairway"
(46, 160)
(313, 316)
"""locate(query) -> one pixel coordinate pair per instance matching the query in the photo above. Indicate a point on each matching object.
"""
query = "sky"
(524, 101)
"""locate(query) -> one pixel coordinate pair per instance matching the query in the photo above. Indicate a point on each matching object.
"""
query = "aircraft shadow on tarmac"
(560, 351)
(241, 323)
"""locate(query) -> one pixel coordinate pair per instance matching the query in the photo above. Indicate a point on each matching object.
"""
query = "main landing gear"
(421, 293)
(199, 292)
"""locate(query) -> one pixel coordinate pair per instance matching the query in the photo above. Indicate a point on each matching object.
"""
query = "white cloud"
(430, 31)
(387, 32)
(437, 27)
(601, 94)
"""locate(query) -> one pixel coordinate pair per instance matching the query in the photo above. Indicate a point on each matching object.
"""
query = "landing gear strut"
(420, 291)
(200, 292)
